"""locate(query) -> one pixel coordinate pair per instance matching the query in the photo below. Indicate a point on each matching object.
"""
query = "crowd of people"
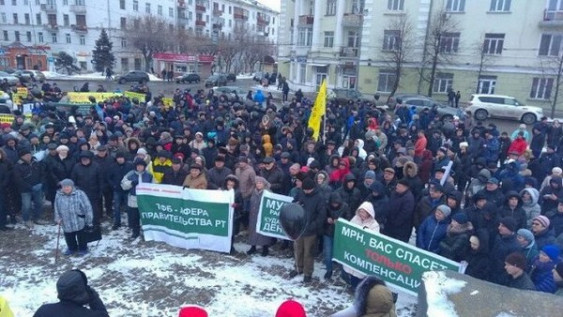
(460, 189)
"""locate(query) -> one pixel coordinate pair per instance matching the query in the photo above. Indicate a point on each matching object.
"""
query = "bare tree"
(256, 48)
(483, 50)
(398, 47)
(552, 67)
(441, 41)
(150, 34)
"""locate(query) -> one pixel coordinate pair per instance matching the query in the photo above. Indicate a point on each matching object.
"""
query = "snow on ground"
(144, 279)
(86, 76)
(438, 287)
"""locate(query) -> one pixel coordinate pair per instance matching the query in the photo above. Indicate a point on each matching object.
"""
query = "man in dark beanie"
(216, 175)
(515, 266)
(505, 243)
(74, 292)
(315, 213)
(400, 213)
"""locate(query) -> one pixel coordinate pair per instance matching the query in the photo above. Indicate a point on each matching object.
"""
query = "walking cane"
(58, 238)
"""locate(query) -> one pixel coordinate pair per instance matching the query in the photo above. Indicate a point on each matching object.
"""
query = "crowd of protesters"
(460, 189)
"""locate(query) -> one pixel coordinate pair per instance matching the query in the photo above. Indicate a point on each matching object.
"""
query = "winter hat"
(509, 223)
(463, 144)
(142, 151)
(370, 175)
(291, 308)
(445, 210)
(67, 182)
(308, 184)
(140, 162)
(559, 269)
(556, 171)
(460, 218)
(192, 311)
(23, 152)
(552, 251)
(516, 259)
(543, 220)
(526, 234)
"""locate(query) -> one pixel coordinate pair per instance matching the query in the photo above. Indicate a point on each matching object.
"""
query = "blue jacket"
(492, 148)
(431, 232)
(543, 277)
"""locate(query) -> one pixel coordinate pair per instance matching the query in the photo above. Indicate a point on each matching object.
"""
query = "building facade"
(73, 26)
(488, 46)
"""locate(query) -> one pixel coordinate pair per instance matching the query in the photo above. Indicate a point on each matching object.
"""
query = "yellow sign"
(168, 102)
(9, 118)
(84, 97)
(21, 90)
(318, 111)
(138, 95)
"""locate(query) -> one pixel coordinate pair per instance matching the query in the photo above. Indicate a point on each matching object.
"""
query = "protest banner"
(186, 218)
(168, 102)
(397, 263)
(84, 97)
(269, 215)
(138, 95)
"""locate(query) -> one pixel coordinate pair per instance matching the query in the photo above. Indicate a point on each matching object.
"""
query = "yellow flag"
(318, 111)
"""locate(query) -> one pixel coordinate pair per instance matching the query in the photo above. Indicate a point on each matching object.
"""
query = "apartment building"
(490, 46)
(51, 26)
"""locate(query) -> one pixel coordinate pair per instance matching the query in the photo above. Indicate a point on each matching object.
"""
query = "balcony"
(200, 23)
(81, 29)
(78, 9)
(352, 20)
(200, 8)
(49, 8)
(181, 4)
(306, 20)
(262, 21)
(349, 51)
(240, 16)
(51, 27)
(218, 23)
(552, 19)
(217, 12)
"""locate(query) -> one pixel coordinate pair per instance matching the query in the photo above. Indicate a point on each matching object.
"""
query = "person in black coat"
(273, 174)
(232, 182)
(175, 175)
(117, 171)
(336, 208)
(478, 261)
(550, 195)
(216, 175)
(493, 192)
(74, 292)
(104, 162)
(400, 213)
(5, 171)
(87, 176)
(505, 243)
(380, 201)
(513, 208)
(349, 193)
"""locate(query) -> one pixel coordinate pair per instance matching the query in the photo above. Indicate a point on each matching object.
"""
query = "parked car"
(37, 75)
(258, 76)
(12, 80)
(392, 101)
(231, 77)
(342, 95)
(230, 91)
(216, 80)
(23, 75)
(188, 78)
(136, 76)
(421, 102)
(500, 106)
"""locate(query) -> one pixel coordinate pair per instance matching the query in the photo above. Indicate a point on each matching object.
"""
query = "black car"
(135, 76)
(216, 80)
(231, 77)
(188, 78)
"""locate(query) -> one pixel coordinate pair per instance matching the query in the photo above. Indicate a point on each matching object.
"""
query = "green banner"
(397, 263)
(186, 218)
(269, 215)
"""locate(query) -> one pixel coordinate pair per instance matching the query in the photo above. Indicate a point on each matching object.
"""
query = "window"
(137, 63)
(27, 19)
(67, 38)
(550, 44)
(82, 40)
(66, 20)
(302, 73)
(81, 20)
(125, 64)
(493, 43)
(54, 37)
(37, 2)
(442, 82)
(136, 23)
(449, 42)
(135, 5)
(395, 5)
(147, 8)
(500, 5)
(330, 7)
(541, 88)
(305, 37)
(14, 2)
(80, 2)
(391, 40)
(123, 23)
(122, 4)
(17, 35)
(2, 2)
(487, 85)
(159, 10)
(171, 12)
(6, 38)
(123, 42)
(28, 36)
(40, 37)
(15, 15)
(455, 6)
(329, 39)
(386, 80)
(3, 17)
(353, 39)
(38, 19)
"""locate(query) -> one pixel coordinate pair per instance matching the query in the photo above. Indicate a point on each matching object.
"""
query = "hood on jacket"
(512, 194)
(378, 187)
(457, 195)
(484, 175)
(410, 169)
(533, 193)
(335, 198)
(360, 144)
(483, 236)
(133, 140)
(326, 179)
(231, 177)
(263, 180)
(556, 180)
(373, 298)
(367, 206)
(72, 286)
(349, 177)
(332, 158)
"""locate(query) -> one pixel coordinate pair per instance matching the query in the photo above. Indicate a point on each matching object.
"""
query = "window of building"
(81, 20)
(455, 6)
(190, 15)
(493, 43)
(40, 37)
(449, 42)
(171, 12)
(15, 15)
(302, 73)
(14, 2)
(67, 38)
(487, 85)
(353, 39)
(53, 37)
(159, 10)
(391, 40)
(52, 19)
(6, 37)
(123, 42)
(80, 2)
(66, 20)
(17, 35)
(137, 63)
(2, 2)
(442, 82)
(500, 5)
(123, 23)
(3, 17)
(541, 88)
(37, 2)
(386, 80)
(136, 23)
(135, 5)
(125, 64)
(26, 19)
(305, 37)
(329, 39)
(122, 4)
(147, 8)
(82, 39)
(230, 23)
(396, 5)
(28, 36)
(330, 7)
(230, 9)
(550, 44)
(38, 19)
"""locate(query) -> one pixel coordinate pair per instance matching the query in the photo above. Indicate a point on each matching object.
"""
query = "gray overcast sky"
(274, 4)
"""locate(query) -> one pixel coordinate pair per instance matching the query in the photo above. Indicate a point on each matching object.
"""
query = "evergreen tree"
(102, 57)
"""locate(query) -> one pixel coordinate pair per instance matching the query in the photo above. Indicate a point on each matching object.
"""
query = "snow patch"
(438, 287)
(474, 293)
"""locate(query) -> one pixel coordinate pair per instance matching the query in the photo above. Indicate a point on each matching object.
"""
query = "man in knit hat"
(515, 266)
(504, 244)
(433, 229)
(542, 233)
(529, 247)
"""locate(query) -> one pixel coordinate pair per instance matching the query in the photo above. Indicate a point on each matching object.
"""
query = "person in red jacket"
(420, 144)
(519, 145)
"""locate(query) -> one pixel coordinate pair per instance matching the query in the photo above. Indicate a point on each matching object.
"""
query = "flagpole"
(324, 129)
